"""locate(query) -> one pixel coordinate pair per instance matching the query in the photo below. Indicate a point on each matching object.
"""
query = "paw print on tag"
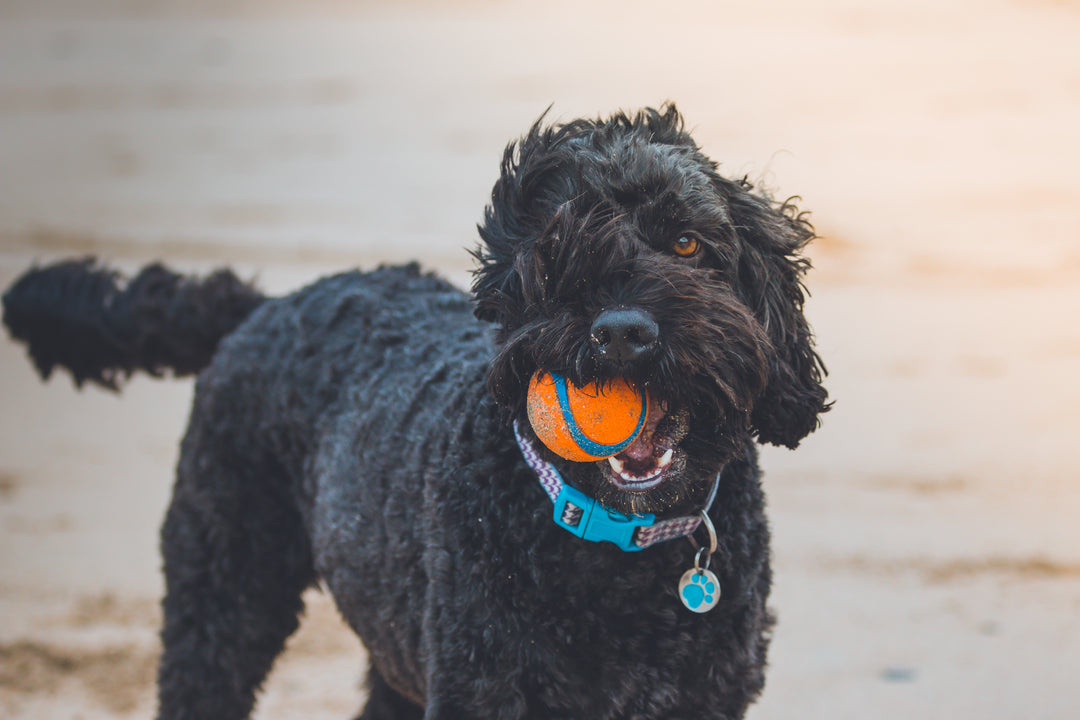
(699, 590)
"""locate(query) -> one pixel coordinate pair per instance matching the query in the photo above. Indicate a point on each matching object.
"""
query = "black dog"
(361, 433)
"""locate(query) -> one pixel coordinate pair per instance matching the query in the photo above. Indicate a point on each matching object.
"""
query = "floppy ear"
(532, 184)
(770, 274)
(505, 228)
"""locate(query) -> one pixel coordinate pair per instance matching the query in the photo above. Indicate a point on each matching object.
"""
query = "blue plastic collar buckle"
(598, 523)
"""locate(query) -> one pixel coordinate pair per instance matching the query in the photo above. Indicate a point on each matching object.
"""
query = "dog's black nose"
(623, 335)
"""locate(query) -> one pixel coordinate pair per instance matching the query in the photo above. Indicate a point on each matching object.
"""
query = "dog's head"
(613, 248)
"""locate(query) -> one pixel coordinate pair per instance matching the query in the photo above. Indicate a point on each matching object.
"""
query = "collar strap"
(583, 516)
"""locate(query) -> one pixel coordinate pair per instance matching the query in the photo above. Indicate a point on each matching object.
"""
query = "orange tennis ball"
(585, 423)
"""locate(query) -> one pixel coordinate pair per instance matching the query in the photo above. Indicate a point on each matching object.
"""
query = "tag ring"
(710, 529)
(702, 549)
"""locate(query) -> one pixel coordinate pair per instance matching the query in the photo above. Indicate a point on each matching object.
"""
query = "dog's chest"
(465, 577)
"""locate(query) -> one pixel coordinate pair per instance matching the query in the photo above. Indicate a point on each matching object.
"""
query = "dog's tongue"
(643, 447)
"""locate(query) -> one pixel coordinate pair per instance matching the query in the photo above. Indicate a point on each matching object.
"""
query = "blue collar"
(586, 518)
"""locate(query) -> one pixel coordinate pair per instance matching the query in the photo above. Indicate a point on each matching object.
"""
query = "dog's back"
(349, 376)
(295, 461)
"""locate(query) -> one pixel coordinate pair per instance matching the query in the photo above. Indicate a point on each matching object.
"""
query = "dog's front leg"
(441, 701)
(457, 686)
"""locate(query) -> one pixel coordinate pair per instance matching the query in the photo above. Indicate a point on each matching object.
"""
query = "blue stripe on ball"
(589, 446)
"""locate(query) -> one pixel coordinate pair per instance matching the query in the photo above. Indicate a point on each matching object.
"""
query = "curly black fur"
(358, 433)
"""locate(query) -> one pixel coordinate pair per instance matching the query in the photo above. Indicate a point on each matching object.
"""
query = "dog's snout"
(623, 335)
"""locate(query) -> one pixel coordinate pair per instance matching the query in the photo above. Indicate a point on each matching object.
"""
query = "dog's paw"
(699, 593)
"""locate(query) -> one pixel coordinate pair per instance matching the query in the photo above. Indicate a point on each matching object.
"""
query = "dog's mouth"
(654, 455)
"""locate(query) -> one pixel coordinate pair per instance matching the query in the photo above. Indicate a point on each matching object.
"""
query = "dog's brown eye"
(686, 246)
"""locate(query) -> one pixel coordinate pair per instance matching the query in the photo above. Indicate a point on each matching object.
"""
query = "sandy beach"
(926, 538)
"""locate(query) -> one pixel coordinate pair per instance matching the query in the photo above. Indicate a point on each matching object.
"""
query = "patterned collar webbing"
(583, 516)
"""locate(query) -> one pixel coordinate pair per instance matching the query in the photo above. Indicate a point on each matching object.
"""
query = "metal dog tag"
(699, 590)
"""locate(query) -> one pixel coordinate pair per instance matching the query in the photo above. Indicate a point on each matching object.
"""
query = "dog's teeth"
(616, 465)
(665, 459)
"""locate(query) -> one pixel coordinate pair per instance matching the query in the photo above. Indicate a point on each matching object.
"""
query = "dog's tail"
(86, 318)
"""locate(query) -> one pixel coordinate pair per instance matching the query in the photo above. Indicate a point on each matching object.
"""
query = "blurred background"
(927, 538)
